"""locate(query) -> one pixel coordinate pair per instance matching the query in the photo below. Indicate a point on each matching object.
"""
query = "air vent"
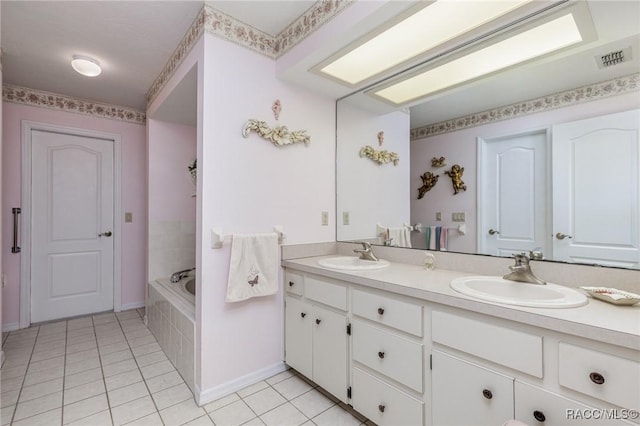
(614, 58)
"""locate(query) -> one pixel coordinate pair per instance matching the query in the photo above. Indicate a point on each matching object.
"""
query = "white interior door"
(512, 200)
(596, 190)
(72, 217)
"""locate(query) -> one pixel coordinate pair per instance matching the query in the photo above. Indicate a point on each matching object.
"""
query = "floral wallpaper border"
(31, 97)
(229, 28)
(617, 86)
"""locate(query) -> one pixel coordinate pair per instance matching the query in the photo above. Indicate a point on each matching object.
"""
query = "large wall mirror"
(547, 149)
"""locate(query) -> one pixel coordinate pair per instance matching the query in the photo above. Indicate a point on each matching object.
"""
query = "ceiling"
(132, 40)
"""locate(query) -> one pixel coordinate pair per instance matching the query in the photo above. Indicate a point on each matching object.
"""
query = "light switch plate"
(325, 218)
(128, 217)
(438, 216)
(458, 217)
(345, 218)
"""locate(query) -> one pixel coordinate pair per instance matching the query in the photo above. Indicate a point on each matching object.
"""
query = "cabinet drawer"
(293, 283)
(514, 349)
(463, 393)
(325, 292)
(535, 406)
(382, 403)
(601, 375)
(391, 312)
(392, 355)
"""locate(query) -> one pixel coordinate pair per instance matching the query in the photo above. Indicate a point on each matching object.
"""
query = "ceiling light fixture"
(543, 39)
(431, 26)
(86, 66)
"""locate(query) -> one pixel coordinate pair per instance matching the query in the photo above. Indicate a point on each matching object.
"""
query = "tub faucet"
(366, 252)
(177, 276)
(521, 271)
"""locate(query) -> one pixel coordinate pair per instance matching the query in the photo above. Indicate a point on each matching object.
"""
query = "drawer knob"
(381, 355)
(381, 408)
(291, 283)
(596, 378)
(539, 416)
(318, 321)
(302, 314)
(380, 311)
(487, 393)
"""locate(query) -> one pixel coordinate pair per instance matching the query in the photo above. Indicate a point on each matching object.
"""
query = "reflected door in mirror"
(596, 190)
(512, 183)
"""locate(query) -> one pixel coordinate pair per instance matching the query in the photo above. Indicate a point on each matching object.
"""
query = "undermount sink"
(352, 263)
(499, 290)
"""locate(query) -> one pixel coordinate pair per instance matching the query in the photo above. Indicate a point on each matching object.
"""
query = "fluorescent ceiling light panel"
(433, 25)
(543, 39)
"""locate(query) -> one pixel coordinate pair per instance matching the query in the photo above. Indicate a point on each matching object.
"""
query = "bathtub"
(170, 312)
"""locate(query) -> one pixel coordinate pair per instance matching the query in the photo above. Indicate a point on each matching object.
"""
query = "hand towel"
(438, 236)
(443, 239)
(400, 237)
(253, 269)
(428, 233)
(432, 240)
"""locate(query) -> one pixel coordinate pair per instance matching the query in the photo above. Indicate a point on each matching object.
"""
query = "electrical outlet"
(128, 217)
(438, 216)
(325, 218)
(345, 218)
(458, 217)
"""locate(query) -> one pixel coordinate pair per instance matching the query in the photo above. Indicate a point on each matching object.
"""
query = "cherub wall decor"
(429, 180)
(456, 178)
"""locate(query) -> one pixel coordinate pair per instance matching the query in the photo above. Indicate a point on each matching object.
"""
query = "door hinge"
(349, 392)
(431, 362)
(349, 329)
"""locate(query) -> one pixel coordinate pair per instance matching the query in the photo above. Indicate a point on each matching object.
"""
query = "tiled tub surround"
(172, 247)
(170, 315)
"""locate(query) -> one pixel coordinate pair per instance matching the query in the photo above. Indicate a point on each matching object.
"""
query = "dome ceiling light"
(86, 66)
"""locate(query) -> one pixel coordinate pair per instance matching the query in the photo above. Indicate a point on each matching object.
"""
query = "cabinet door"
(297, 338)
(330, 351)
(467, 394)
(535, 406)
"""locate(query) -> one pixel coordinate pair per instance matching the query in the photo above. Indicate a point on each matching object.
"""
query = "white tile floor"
(109, 370)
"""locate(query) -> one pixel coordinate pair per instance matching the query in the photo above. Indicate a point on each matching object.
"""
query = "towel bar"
(218, 238)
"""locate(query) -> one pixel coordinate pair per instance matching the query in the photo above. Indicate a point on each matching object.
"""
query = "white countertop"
(598, 320)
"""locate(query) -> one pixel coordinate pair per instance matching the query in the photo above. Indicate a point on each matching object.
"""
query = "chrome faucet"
(177, 276)
(521, 271)
(366, 252)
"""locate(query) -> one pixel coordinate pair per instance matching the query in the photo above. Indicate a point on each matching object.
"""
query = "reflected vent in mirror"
(614, 58)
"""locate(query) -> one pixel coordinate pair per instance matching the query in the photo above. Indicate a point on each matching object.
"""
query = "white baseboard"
(12, 326)
(129, 306)
(209, 395)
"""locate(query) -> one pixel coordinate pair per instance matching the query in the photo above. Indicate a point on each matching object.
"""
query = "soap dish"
(612, 295)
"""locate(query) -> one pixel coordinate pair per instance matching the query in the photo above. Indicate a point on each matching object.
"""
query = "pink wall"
(133, 197)
(172, 148)
(248, 186)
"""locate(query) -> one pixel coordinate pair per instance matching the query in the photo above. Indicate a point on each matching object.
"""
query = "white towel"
(432, 240)
(400, 237)
(253, 269)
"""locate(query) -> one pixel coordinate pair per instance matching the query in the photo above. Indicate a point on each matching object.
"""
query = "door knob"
(493, 231)
(105, 234)
(562, 236)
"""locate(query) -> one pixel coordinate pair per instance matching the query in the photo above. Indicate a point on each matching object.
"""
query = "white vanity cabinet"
(316, 331)
(387, 358)
(493, 367)
(411, 361)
